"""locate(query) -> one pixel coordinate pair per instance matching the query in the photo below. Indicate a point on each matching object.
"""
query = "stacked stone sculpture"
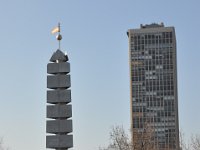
(58, 125)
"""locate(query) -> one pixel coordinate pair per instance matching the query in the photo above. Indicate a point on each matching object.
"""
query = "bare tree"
(192, 144)
(183, 145)
(2, 147)
(119, 140)
(143, 139)
(195, 142)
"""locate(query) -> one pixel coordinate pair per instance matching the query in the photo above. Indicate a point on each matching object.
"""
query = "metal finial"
(59, 36)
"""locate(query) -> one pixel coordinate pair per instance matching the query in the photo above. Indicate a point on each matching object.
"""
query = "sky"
(94, 37)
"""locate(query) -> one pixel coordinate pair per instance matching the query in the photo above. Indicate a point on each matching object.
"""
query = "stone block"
(59, 141)
(58, 96)
(59, 111)
(59, 126)
(58, 81)
(61, 67)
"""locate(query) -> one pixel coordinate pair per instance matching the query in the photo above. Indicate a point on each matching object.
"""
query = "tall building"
(153, 85)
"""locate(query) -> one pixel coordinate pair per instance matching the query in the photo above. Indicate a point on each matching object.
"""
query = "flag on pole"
(55, 30)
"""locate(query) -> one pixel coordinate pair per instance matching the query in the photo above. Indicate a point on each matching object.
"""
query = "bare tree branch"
(119, 140)
(183, 144)
(2, 147)
(144, 139)
(195, 142)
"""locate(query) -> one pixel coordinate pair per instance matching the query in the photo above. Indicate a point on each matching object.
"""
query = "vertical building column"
(59, 110)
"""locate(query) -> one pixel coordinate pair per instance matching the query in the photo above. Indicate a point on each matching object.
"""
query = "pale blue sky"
(94, 36)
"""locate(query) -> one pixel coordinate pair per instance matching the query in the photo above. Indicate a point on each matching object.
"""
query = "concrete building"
(153, 84)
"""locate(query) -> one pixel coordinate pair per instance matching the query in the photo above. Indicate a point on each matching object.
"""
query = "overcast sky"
(94, 36)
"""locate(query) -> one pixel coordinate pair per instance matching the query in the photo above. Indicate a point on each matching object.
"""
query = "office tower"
(153, 86)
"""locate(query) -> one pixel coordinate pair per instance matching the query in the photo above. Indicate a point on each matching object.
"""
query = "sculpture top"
(57, 30)
(59, 56)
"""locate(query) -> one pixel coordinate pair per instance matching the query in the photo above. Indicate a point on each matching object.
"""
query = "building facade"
(153, 85)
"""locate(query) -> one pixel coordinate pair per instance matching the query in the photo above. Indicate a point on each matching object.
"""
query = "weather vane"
(59, 36)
